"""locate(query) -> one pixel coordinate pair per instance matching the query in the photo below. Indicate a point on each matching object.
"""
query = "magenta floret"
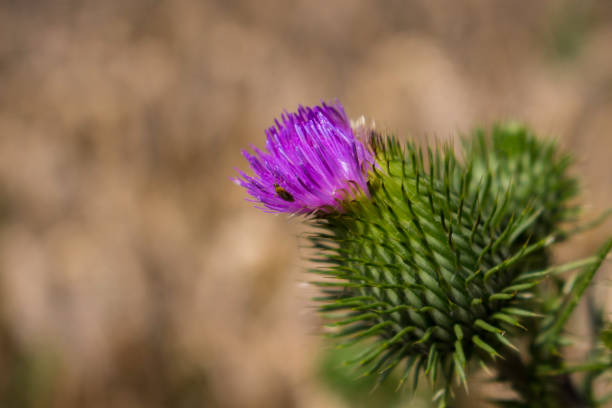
(313, 162)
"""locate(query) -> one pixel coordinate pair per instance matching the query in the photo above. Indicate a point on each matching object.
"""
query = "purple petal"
(312, 161)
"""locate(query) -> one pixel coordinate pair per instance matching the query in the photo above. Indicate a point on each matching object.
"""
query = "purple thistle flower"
(313, 162)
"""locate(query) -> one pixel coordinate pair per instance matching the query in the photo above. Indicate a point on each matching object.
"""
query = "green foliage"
(606, 337)
(441, 265)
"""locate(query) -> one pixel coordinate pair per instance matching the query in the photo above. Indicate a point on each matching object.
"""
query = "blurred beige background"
(134, 273)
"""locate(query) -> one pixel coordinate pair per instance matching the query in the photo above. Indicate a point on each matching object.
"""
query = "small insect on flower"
(282, 193)
(313, 162)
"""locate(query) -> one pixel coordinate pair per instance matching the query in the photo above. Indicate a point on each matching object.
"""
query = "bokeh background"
(132, 271)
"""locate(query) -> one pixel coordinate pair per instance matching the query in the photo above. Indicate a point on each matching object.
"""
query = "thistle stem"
(541, 390)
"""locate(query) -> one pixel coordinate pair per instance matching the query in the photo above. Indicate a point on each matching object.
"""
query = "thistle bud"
(532, 169)
(435, 267)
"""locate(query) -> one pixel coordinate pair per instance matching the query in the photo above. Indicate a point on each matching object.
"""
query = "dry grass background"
(133, 273)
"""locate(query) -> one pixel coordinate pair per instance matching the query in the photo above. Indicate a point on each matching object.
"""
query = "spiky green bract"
(536, 173)
(434, 268)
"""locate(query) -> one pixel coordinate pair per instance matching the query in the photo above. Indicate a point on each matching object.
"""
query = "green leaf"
(568, 306)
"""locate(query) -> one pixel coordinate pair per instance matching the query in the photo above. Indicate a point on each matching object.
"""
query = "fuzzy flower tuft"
(313, 162)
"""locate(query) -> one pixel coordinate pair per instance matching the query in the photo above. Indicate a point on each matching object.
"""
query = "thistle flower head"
(440, 263)
(313, 162)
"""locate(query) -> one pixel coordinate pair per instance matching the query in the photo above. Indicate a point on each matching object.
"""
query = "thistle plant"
(438, 262)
